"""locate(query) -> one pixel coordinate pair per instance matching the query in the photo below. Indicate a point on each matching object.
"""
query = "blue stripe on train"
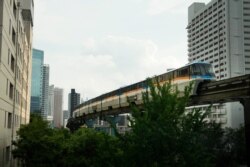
(202, 76)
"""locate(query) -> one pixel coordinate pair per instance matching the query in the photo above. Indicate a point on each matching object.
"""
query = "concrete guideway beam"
(246, 103)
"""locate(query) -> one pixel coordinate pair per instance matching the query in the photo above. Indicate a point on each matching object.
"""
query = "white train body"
(195, 72)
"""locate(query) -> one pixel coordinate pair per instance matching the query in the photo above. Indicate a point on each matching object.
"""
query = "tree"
(234, 148)
(39, 145)
(163, 134)
(89, 148)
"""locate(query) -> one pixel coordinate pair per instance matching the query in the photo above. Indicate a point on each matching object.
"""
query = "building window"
(16, 94)
(10, 27)
(9, 120)
(7, 86)
(11, 91)
(14, 10)
(12, 63)
(13, 36)
(5, 121)
(7, 153)
(8, 56)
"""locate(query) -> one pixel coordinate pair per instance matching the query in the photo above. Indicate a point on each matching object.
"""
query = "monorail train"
(122, 97)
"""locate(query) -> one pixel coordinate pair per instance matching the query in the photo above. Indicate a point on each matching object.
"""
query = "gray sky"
(96, 46)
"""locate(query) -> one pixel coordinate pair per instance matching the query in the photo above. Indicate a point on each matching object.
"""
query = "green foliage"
(164, 135)
(39, 145)
(234, 148)
(90, 148)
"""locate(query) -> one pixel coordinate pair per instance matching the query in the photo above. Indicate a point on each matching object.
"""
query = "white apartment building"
(219, 33)
(16, 24)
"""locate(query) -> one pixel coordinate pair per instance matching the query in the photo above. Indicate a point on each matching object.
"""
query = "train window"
(174, 74)
(202, 69)
(160, 78)
(169, 76)
(144, 84)
(195, 70)
(183, 72)
(209, 70)
(163, 77)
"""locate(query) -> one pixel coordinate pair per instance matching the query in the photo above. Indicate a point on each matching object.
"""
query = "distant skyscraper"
(51, 104)
(58, 107)
(36, 80)
(73, 101)
(40, 84)
(219, 33)
(45, 92)
(65, 117)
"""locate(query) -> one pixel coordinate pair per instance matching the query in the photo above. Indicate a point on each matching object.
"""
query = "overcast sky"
(96, 46)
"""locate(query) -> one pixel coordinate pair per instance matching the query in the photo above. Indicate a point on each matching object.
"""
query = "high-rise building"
(45, 92)
(51, 104)
(36, 80)
(65, 117)
(58, 107)
(73, 101)
(16, 31)
(39, 85)
(219, 33)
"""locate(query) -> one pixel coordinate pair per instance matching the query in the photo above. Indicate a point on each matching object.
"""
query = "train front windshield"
(202, 70)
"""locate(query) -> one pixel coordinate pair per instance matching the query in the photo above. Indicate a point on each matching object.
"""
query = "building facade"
(45, 92)
(121, 121)
(65, 117)
(36, 80)
(73, 101)
(39, 85)
(58, 108)
(50, 114)
(219, 33)
(16, 31)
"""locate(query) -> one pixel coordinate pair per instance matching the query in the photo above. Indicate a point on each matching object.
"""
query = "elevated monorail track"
(228, 90)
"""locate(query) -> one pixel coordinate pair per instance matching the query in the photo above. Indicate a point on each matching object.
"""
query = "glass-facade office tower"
(36, 83)
(219, 33)
(73, 101)
(16, 22)
(39, 85)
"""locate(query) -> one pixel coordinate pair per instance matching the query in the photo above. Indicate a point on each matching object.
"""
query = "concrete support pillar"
(246, 104)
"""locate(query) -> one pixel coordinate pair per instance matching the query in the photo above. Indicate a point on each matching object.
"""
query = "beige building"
(16, 24)
(58, 107)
